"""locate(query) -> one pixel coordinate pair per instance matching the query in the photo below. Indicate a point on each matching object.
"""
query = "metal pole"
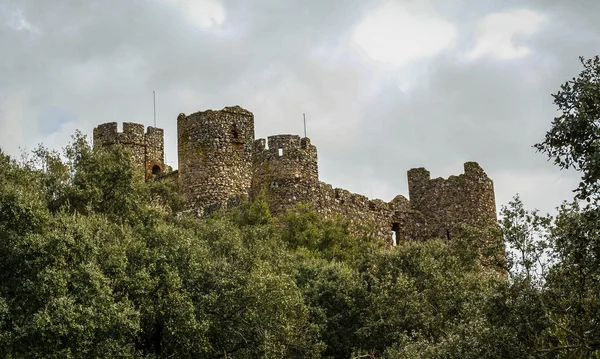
(304, 115)
(154, 96)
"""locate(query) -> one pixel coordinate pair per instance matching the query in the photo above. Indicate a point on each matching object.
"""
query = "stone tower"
(215, 156)
(446, 203)
(286, 167)
(147, 148)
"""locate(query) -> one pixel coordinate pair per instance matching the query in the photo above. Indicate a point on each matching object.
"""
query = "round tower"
(215, 156)
(147, 148)
(286, 167)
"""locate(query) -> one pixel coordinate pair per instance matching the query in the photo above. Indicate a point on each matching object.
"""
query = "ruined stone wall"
(287, 170)
(215, 156)
(285, 166)
(372, 217)
(132, 137)
(147, 148)
(445, 203)
(155, 153)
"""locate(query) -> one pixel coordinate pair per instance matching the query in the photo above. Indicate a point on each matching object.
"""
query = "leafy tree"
(303, 227)
(526, 232)
(574, 139)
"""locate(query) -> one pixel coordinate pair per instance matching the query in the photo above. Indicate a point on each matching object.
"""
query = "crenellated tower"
(215, 156)
(147, 148)
(286, 167)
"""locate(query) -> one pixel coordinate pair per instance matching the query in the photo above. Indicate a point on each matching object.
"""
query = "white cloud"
(496, 34)
(397, 35)
(18, 22)
(202, 13)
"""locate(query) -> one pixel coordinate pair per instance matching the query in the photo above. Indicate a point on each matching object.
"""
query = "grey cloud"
(101, 60)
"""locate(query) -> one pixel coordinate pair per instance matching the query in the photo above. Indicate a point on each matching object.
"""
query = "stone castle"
(220, 162)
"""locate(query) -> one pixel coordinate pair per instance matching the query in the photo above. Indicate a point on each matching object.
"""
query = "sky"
(386, 85)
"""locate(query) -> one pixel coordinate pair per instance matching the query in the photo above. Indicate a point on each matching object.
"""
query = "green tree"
(574, 139)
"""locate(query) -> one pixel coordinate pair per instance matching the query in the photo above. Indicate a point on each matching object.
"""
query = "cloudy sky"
(386, 85)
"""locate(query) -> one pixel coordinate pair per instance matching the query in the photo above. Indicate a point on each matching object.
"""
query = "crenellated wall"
(220, 162)
(147, 148)
(286, 167)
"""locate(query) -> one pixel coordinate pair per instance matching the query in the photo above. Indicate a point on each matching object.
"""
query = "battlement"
(107, 134)
(220, 162)
(287, 157)
(133, 133)
(284, 142)
(154, 131)
(147, 147)
(283, 146)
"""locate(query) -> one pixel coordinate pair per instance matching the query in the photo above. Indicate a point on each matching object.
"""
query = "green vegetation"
(96, 264)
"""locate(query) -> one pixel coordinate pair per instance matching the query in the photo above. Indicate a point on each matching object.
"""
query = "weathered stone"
(147, 148)
(220, 163)
(215, 156)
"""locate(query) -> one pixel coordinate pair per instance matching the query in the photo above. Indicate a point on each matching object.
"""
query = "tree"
(574, 139)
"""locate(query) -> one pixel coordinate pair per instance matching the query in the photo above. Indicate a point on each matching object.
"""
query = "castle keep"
(220, 162)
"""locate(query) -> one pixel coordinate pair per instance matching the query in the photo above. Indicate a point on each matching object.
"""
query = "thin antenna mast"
(154, 96)
(304, 115)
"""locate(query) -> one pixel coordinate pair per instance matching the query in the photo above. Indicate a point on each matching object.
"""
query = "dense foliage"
(96, 264)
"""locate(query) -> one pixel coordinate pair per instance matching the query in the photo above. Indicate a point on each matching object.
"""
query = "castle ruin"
(221, 162)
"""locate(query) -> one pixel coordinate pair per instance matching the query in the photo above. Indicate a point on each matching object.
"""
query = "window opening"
(156, 170)
(395, 233)
(448, 234)
(280, 152)
(236, 138)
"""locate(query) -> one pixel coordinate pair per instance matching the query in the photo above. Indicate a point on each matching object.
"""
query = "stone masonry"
(147, 148)
(220, 162)
(215, 156)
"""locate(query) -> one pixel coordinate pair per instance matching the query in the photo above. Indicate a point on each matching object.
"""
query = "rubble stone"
(220, 163)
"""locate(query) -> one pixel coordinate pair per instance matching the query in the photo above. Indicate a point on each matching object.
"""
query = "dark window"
(156, 170)
(237, 140)
(448, 234)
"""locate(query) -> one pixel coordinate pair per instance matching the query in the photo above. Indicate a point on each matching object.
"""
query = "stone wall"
(215, 156)
(446, 203)
(155, 153)
(286, 169)
(220, 163)
(285, 166)
(147, 148)
(371, 217)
